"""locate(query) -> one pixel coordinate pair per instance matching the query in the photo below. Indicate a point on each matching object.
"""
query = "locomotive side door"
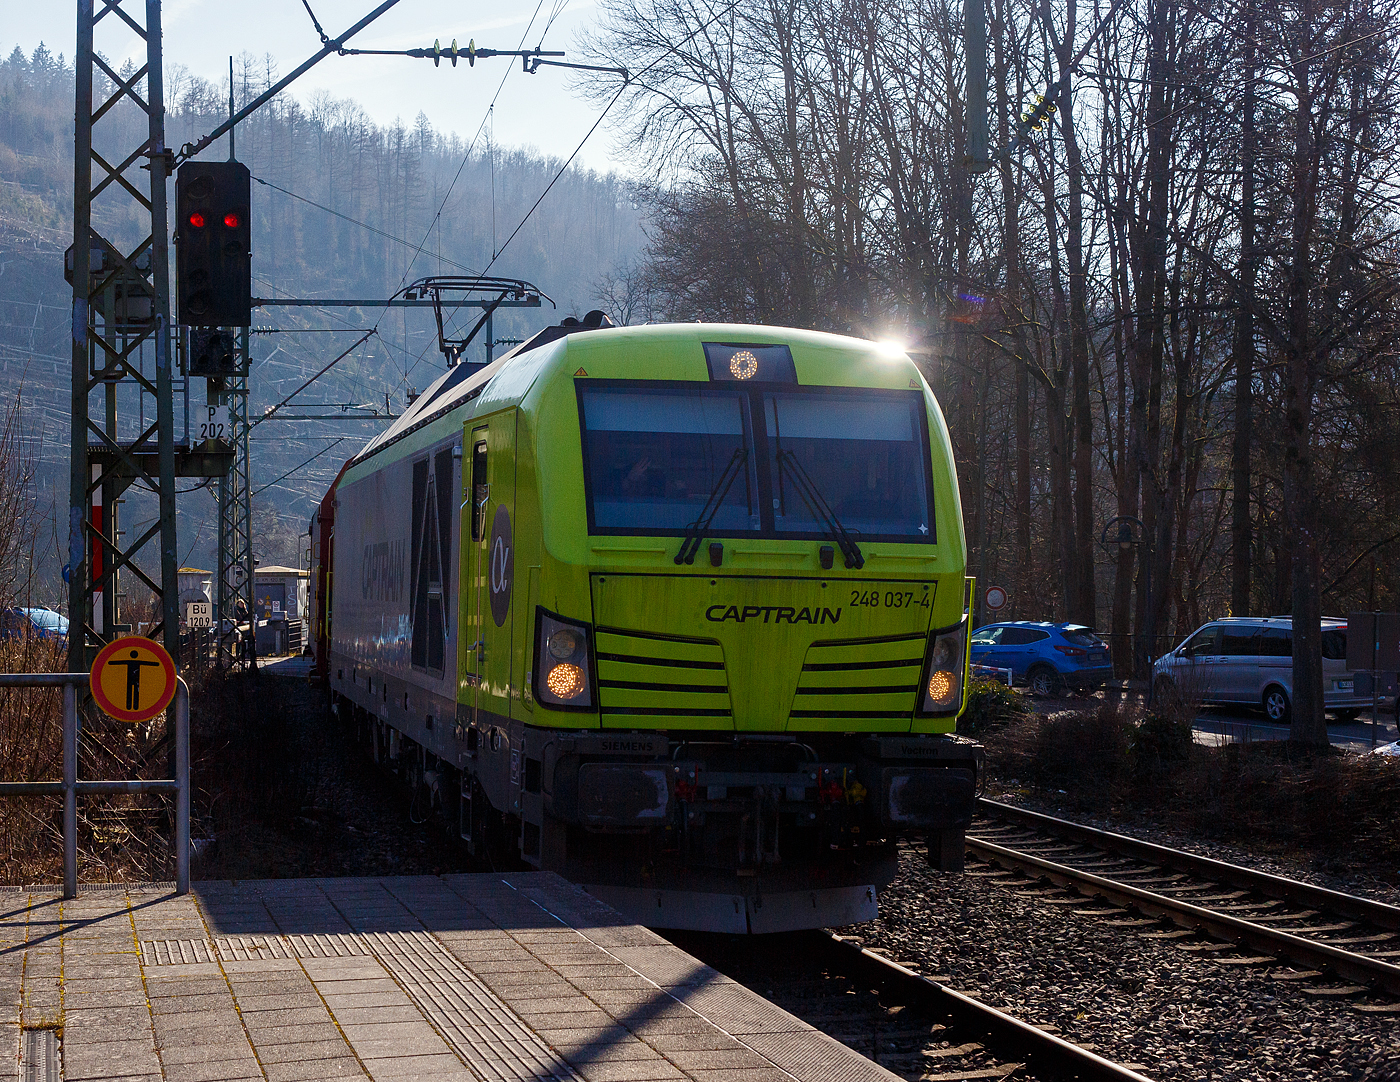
(488, 512)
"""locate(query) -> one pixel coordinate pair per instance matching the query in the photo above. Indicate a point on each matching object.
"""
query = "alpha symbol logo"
(500, 556)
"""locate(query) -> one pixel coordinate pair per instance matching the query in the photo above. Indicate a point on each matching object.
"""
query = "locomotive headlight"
(944, 670)
(563, 662)
(566, 681)
(942, 687)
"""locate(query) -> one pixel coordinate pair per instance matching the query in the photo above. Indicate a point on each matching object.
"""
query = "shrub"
(1159, 742)
(1082, 754)
(991, 705)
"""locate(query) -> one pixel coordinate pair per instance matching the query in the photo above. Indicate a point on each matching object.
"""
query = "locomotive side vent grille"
(860, 679)
(660, 677)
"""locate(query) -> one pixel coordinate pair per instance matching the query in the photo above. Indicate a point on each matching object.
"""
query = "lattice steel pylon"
(121, 302)
(235, 581)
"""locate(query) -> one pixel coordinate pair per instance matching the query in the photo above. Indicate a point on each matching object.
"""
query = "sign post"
(1373, 645)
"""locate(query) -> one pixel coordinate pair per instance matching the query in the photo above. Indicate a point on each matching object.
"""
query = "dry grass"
(245, 767)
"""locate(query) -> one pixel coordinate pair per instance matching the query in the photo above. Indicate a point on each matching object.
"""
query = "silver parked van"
(1248, 661)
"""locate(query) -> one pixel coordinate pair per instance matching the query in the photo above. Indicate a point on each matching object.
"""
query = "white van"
(1248, 661)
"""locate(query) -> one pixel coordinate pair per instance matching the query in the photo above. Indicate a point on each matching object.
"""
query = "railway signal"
(213, 265)
(213, 352)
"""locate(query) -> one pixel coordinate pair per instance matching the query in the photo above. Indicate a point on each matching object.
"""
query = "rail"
(1045, 1055)
(71, 788)
(1296, 944)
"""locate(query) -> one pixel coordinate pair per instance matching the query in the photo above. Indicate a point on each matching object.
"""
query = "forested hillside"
(341, 208)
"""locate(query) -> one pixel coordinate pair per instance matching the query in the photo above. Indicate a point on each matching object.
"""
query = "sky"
(537, 111)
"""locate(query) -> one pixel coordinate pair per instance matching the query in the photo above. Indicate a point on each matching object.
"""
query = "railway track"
(1138, 884)
(905, 1021)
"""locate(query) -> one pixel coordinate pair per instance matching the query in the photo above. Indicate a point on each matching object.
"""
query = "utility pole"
(121, 311)
(235, 573)
(235, 563)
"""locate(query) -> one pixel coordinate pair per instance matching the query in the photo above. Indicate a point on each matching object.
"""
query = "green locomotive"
(678, 611)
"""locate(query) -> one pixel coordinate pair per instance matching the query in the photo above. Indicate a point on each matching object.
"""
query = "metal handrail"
(70, 786)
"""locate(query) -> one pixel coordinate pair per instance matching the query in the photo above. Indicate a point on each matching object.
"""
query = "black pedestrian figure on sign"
(133, 678)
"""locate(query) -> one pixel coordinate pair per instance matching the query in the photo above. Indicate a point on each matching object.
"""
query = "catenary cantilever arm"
(189, 150)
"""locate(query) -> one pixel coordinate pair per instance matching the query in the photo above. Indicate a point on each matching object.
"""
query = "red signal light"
(231, 220)
(197, 220)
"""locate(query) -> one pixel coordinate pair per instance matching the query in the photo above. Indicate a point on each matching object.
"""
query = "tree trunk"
(1011, 232)
(1151, 334)
(1309, 726)
(1080, 604)
(1241, 529)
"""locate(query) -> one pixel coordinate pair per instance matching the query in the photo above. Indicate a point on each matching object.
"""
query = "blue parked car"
(20, 623)
(1046, 657)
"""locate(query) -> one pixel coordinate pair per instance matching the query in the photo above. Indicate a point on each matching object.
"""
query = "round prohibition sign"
(995, 598)
(133, 679)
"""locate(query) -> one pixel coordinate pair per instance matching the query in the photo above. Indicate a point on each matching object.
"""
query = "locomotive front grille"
(656, 679)
(861, 679)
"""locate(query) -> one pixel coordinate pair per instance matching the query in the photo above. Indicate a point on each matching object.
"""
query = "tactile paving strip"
(242, 948)
(245, 948)
(174, 952)
(482, 1030)
(479, 1026)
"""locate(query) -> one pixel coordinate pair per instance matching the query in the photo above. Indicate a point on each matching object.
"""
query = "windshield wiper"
(695, 532)
(821, 510)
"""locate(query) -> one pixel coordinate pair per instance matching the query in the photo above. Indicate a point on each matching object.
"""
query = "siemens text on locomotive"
(678, 611)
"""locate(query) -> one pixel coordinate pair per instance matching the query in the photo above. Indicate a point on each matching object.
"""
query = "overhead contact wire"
(357, 343)
(294, 469)
(627, 80)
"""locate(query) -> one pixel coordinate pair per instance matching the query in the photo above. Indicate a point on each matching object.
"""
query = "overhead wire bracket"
(315, 22)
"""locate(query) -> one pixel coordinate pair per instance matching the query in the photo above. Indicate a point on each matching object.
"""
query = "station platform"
(487, 977)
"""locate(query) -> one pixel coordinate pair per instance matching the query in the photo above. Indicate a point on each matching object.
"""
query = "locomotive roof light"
(749, 362)
(743, 365)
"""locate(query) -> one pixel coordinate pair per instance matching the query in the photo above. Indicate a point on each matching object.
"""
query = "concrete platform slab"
(478, 978)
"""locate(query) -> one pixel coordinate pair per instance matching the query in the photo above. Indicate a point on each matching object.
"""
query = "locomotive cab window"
(655, 456)
(766, 461)
(863, 451)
